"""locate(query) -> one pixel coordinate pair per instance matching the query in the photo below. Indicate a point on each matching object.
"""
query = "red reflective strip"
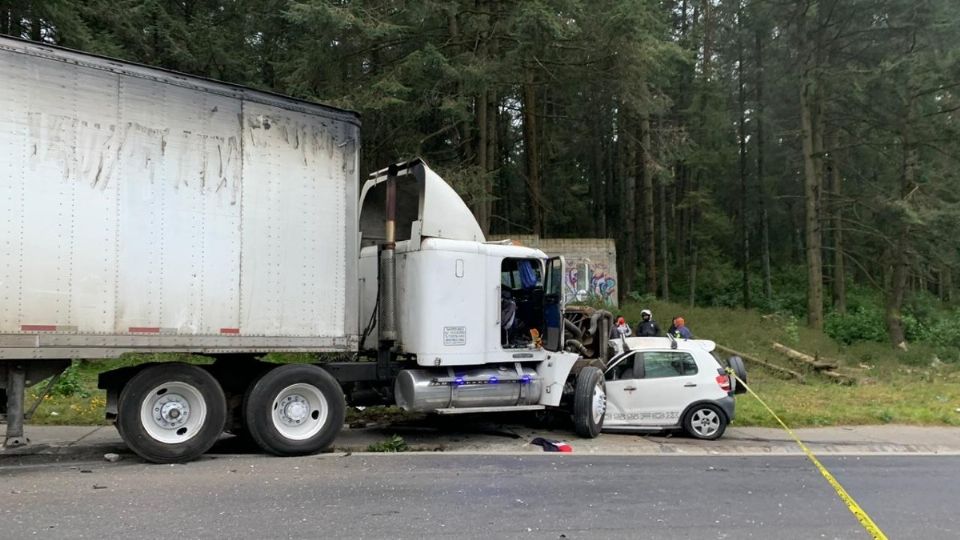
(38, 328)
(229, 330)
(144, 329)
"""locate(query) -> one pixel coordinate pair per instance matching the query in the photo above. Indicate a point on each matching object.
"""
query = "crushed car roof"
(640, 343)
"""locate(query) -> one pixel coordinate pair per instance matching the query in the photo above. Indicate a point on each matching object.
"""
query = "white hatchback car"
(661, 383)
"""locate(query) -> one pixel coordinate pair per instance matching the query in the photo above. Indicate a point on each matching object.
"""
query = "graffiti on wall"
(587, 281)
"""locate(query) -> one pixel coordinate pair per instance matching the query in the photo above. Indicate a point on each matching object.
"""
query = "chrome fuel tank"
(506, 385)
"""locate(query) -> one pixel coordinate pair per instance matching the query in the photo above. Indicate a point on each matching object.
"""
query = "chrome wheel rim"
(599, 403)
(173, 412)
(300, 411)
(705, 422)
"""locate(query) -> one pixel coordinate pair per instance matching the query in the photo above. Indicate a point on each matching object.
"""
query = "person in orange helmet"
(679, 329)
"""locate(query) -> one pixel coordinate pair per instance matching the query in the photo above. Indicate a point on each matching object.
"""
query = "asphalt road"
(463, 496)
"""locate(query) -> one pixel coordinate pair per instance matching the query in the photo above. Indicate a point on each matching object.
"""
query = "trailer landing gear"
(15, 377)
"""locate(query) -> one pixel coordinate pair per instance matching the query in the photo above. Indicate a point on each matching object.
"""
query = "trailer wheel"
(171, 413)
(294, 409)
(589, 402)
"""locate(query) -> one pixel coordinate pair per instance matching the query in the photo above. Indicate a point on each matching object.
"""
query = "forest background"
(796, 157)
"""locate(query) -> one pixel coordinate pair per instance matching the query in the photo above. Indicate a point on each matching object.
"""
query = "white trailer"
(146, 211)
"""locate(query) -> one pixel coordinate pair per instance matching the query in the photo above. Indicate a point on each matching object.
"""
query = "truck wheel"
(171, 413)
(589, 402)
(294, 409)
(705, 421)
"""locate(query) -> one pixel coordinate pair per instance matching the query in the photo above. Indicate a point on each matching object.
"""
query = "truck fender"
(553, 373)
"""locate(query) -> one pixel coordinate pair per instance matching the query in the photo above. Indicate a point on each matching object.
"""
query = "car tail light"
(724, 382)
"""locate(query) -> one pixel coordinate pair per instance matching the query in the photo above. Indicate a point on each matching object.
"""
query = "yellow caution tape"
(852, 505)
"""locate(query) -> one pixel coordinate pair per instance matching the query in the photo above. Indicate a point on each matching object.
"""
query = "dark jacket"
(647, 329)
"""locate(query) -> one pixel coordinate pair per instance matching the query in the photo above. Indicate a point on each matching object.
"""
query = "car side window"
(668, 364)
(623, 370)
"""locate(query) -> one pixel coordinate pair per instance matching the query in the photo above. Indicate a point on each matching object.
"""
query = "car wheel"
(738, 367)
(294, 409)
(705, 421)
(589, 403)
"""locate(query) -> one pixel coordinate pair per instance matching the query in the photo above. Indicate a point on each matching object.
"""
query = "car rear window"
(668, 364)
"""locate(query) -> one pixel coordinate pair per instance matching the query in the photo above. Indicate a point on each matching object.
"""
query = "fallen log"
(754, 360)
(839, 377)
(792, 354)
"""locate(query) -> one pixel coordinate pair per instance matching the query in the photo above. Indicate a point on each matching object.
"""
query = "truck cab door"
(553, 304)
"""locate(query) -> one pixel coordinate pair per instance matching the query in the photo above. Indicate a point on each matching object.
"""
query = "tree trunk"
(531, 146)
(4, 19)
(894, 303)
(628, 213)
(946, 276)
(648, 239)
(664, 251)
(16, 23)
(692, 257)
(765, 249)
(493, 112)
(598, 197)
(708, 30)
(480, 208)
(898, 284)
(513, 191)
(681, 216)
(761, 179)
(36, 26)
(812, 185)
(612, 189)
(742, 135)
(693, 276)
(836, 216)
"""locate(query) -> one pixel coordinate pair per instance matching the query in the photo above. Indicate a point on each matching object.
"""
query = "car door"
(660, 386)
(621, 387)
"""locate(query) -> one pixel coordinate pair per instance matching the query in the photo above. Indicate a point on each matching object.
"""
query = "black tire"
(585, 422)
(320, 419)
(176, 385)
(705, 421)
(738, 367)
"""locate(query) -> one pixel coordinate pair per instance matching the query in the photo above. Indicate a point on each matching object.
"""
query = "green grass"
(394, 443)
(920, 386)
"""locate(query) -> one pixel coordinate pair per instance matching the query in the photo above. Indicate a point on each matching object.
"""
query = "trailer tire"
(171, 413)
(294, 409)
(589, 402)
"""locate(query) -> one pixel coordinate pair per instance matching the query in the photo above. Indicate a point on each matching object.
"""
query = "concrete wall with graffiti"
(591, 265)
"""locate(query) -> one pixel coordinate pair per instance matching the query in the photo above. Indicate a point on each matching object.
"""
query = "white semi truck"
(146, 211)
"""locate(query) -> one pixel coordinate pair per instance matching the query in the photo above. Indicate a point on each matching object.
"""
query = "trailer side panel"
(146, 210)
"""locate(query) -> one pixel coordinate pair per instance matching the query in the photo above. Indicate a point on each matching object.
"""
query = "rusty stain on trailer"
(87, 152)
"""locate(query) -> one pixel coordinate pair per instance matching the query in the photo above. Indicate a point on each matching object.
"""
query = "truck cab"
(475, 313)
(459, 299)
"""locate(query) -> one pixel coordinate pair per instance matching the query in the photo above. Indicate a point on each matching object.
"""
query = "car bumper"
(729, 405)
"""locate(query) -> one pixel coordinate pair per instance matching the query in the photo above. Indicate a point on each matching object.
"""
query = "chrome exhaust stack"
(387, 325)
